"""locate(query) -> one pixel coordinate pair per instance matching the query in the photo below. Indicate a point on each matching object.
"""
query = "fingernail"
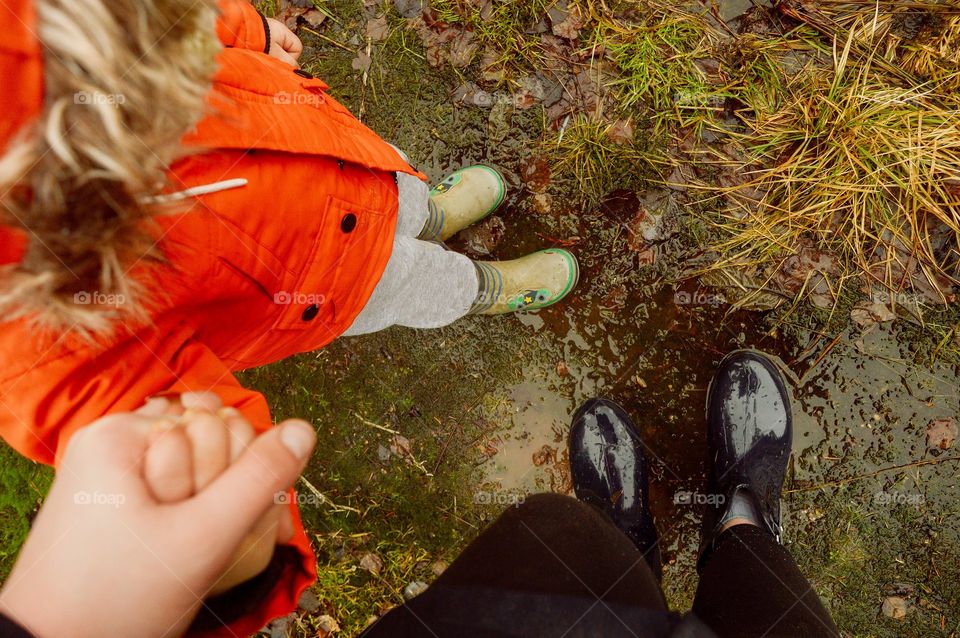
(298, 437)
(157, 401)
(228, 412)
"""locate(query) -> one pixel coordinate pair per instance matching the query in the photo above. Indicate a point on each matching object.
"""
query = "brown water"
(630, 334)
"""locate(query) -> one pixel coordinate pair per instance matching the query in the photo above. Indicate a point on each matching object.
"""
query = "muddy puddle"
(631, 334)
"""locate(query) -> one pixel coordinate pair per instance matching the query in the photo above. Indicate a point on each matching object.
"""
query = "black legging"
(542, 567)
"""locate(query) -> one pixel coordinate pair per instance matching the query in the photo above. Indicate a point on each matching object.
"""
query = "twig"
(859, 477)
(328, 39)
(324, 500)
(375, 425)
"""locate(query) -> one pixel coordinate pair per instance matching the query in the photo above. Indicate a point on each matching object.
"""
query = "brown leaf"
(314, 17)
(894, 607)
(371, 563)
(941, 434)
(535, 173)
(567, 24)
(462, 49)
(361, 62)
(621, 132)
(290, 16)
(400, 445)
(378, 29)
(545, 455)
(483, 238)
(562, 369)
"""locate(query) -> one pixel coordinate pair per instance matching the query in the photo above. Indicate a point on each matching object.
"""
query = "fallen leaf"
(481, 239)
(462, 49)
(566, 24)
(371, 563)
(894, 607)
(361, 62)
(866, 314)
(326, 625)
(290, 16)
(409, 8)
(314, 17)
(309, 602)
(621, 132)
(400, 445)
(941, 433)
(562, 369)
(535, 173)
(438, 567)
(378, 29)
(544, 455)
(470, 94)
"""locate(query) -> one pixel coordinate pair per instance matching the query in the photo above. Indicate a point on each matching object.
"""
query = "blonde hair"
(124, 80)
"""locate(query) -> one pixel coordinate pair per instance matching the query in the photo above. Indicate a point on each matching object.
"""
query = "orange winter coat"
(278, 259)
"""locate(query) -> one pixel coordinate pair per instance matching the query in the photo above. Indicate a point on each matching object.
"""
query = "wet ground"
(482, 408)
(426, 435)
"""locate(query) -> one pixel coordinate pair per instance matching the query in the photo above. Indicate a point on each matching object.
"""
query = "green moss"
(23, 486)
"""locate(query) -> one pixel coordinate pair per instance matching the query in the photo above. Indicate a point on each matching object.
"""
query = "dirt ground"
(426, 435)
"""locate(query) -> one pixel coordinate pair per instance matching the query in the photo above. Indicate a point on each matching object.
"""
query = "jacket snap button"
(310, 313)
(304, 74)
(348, 223)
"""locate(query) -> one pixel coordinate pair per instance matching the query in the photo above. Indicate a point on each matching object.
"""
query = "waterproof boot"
(462, 199)
(609, 471)
(749, 438)
(529, 283)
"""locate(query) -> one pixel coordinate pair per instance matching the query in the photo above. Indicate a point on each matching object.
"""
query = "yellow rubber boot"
(536, 281)
(463, 199)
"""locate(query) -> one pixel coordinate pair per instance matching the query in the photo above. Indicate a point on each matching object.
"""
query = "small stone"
(414, 589)
(438, 567)
(895, 607)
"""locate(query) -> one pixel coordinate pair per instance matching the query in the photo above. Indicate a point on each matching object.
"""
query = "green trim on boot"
(536, 281)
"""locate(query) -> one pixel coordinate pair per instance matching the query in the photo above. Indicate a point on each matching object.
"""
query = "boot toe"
(748, 406)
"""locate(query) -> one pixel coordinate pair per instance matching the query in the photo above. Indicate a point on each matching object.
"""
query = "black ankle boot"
(749, 438)
(609, 470)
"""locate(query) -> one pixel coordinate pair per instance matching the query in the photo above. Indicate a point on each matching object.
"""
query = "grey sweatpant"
(424, 285)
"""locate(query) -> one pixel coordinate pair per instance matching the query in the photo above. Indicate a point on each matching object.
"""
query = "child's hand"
(104, 558)
(191, 450)
(284, 43)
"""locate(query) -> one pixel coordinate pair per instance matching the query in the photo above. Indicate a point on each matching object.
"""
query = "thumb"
(240, 496)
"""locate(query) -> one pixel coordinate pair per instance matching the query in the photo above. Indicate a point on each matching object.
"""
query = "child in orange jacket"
(157, 235)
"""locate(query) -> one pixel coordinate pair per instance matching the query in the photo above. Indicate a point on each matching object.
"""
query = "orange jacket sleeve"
(43, 405)
(240, 25)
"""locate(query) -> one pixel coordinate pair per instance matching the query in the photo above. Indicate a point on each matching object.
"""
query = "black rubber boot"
(609, 471)
(749, 438)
